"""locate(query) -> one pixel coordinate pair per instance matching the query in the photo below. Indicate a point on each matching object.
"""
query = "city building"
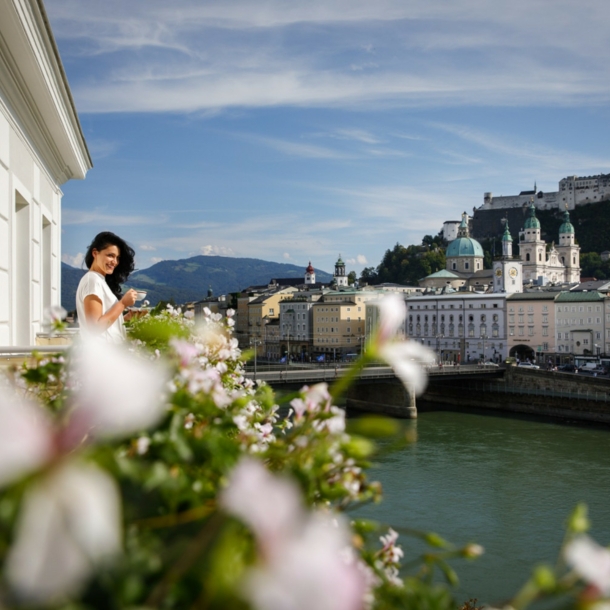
(531, 326)
(41, 147)
(338, 321)
(460, 326)
(507, 270)
(296, 328)
(464, 267)
(572, 191)
(559, 264)
(340, 277)
(580, 323)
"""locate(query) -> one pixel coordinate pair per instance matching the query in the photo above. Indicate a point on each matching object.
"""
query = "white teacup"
(140, 294)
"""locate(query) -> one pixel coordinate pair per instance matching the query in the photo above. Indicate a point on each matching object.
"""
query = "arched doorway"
(523, 352)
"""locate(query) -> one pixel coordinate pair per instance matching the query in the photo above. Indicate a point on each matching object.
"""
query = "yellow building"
(338, 323)
(261, 310)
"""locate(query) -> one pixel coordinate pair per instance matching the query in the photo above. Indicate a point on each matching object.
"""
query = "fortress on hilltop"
(572, 191)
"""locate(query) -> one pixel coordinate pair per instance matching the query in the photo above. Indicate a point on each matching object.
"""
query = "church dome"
(464, 246)
(309, 269)
(567, 226)
(532, 222)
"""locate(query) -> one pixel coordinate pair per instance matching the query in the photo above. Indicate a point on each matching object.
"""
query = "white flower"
(304, 563)
(26, 441)
(69, 523)
(142, 445)
(591, 561)
(408, 358)
(392, 314)
(270, 505)
(119, 394)
(70, 518)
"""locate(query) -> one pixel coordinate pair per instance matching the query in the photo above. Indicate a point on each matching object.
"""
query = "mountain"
(189, 279)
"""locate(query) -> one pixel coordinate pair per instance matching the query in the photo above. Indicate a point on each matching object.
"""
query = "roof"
(533, 296)
(464, 246)
(532, 222)
(443, 273)
(575, 297)
(567, 226)
(592, 285)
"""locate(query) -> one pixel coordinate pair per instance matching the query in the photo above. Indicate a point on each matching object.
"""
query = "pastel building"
(41, 147)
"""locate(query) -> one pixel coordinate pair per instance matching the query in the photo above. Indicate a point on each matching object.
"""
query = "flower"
(70, 515)
(304, 563)
(590, 561)
(69, 524)
(404, 356)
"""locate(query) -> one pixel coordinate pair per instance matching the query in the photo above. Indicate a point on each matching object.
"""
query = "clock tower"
(507, 271)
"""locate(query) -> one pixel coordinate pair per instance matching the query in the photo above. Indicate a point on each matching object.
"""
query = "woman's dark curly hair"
(126, 259)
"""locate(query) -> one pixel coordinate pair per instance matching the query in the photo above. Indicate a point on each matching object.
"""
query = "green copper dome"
(532, 222)
(507, 236)
(567, 226)
(464, 246)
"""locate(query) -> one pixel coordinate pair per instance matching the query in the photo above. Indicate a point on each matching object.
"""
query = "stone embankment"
(537, 392)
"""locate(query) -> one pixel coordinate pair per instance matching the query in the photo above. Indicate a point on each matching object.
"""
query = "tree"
(351, 277)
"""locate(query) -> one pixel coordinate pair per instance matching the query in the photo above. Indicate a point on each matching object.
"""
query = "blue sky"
(294, 131)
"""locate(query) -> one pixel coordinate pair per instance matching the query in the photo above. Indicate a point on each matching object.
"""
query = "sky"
(297, 131)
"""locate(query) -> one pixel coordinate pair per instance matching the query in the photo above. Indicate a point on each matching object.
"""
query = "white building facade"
(460, 327)
(41, 147)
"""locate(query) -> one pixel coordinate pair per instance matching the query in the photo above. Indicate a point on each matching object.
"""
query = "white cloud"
(216, 251)
(74, 261)
(286, 256)
(361, 259)
(71, 216)
(147, 247)
(219, 55)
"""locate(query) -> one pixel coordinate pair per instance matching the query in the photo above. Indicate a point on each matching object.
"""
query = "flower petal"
(26, 440)
(591, 562)
(70, 523)
(310, 571)
(392, 314)
(407, 358)
(270, 505)
(119, 393)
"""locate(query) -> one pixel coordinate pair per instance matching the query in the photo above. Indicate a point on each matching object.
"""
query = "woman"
(99, 300)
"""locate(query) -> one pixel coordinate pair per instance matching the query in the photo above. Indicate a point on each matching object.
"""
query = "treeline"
(407, 265)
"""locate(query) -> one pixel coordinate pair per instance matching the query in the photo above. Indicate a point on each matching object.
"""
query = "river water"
(507, 483)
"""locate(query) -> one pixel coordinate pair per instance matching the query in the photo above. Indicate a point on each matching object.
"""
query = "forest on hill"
(408, 264)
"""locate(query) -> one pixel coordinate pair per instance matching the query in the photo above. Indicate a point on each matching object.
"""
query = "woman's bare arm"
(94, 310)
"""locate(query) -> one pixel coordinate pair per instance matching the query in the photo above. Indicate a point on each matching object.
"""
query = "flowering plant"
(160, 475)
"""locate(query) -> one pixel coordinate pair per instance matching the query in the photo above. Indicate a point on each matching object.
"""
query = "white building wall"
(29, 237)
(469, 314)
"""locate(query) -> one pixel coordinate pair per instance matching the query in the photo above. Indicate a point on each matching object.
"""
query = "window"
(530, 331)
(545, 331)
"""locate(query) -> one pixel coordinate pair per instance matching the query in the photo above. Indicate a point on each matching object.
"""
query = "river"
(505, 482)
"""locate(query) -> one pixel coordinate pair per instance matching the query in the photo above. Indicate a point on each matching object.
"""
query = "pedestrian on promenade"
(100, 302)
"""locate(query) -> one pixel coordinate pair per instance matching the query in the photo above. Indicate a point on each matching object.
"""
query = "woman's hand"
(129, 298)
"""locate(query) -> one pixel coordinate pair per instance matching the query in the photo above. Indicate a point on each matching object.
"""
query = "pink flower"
(70, 522)
(590, 561)
(70, 517)
(304, 563)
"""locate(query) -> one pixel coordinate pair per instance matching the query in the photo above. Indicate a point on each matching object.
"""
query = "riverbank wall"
(542, 393)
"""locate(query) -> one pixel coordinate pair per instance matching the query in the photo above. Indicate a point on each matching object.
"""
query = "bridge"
(277, 376)
(376, 389)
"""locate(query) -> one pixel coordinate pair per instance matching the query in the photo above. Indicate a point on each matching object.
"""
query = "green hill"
(189, 279)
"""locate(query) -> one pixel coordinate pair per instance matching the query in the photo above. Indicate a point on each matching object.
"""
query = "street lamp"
(265, 353)
(484, 337)
(255, 342)
(438, 347)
